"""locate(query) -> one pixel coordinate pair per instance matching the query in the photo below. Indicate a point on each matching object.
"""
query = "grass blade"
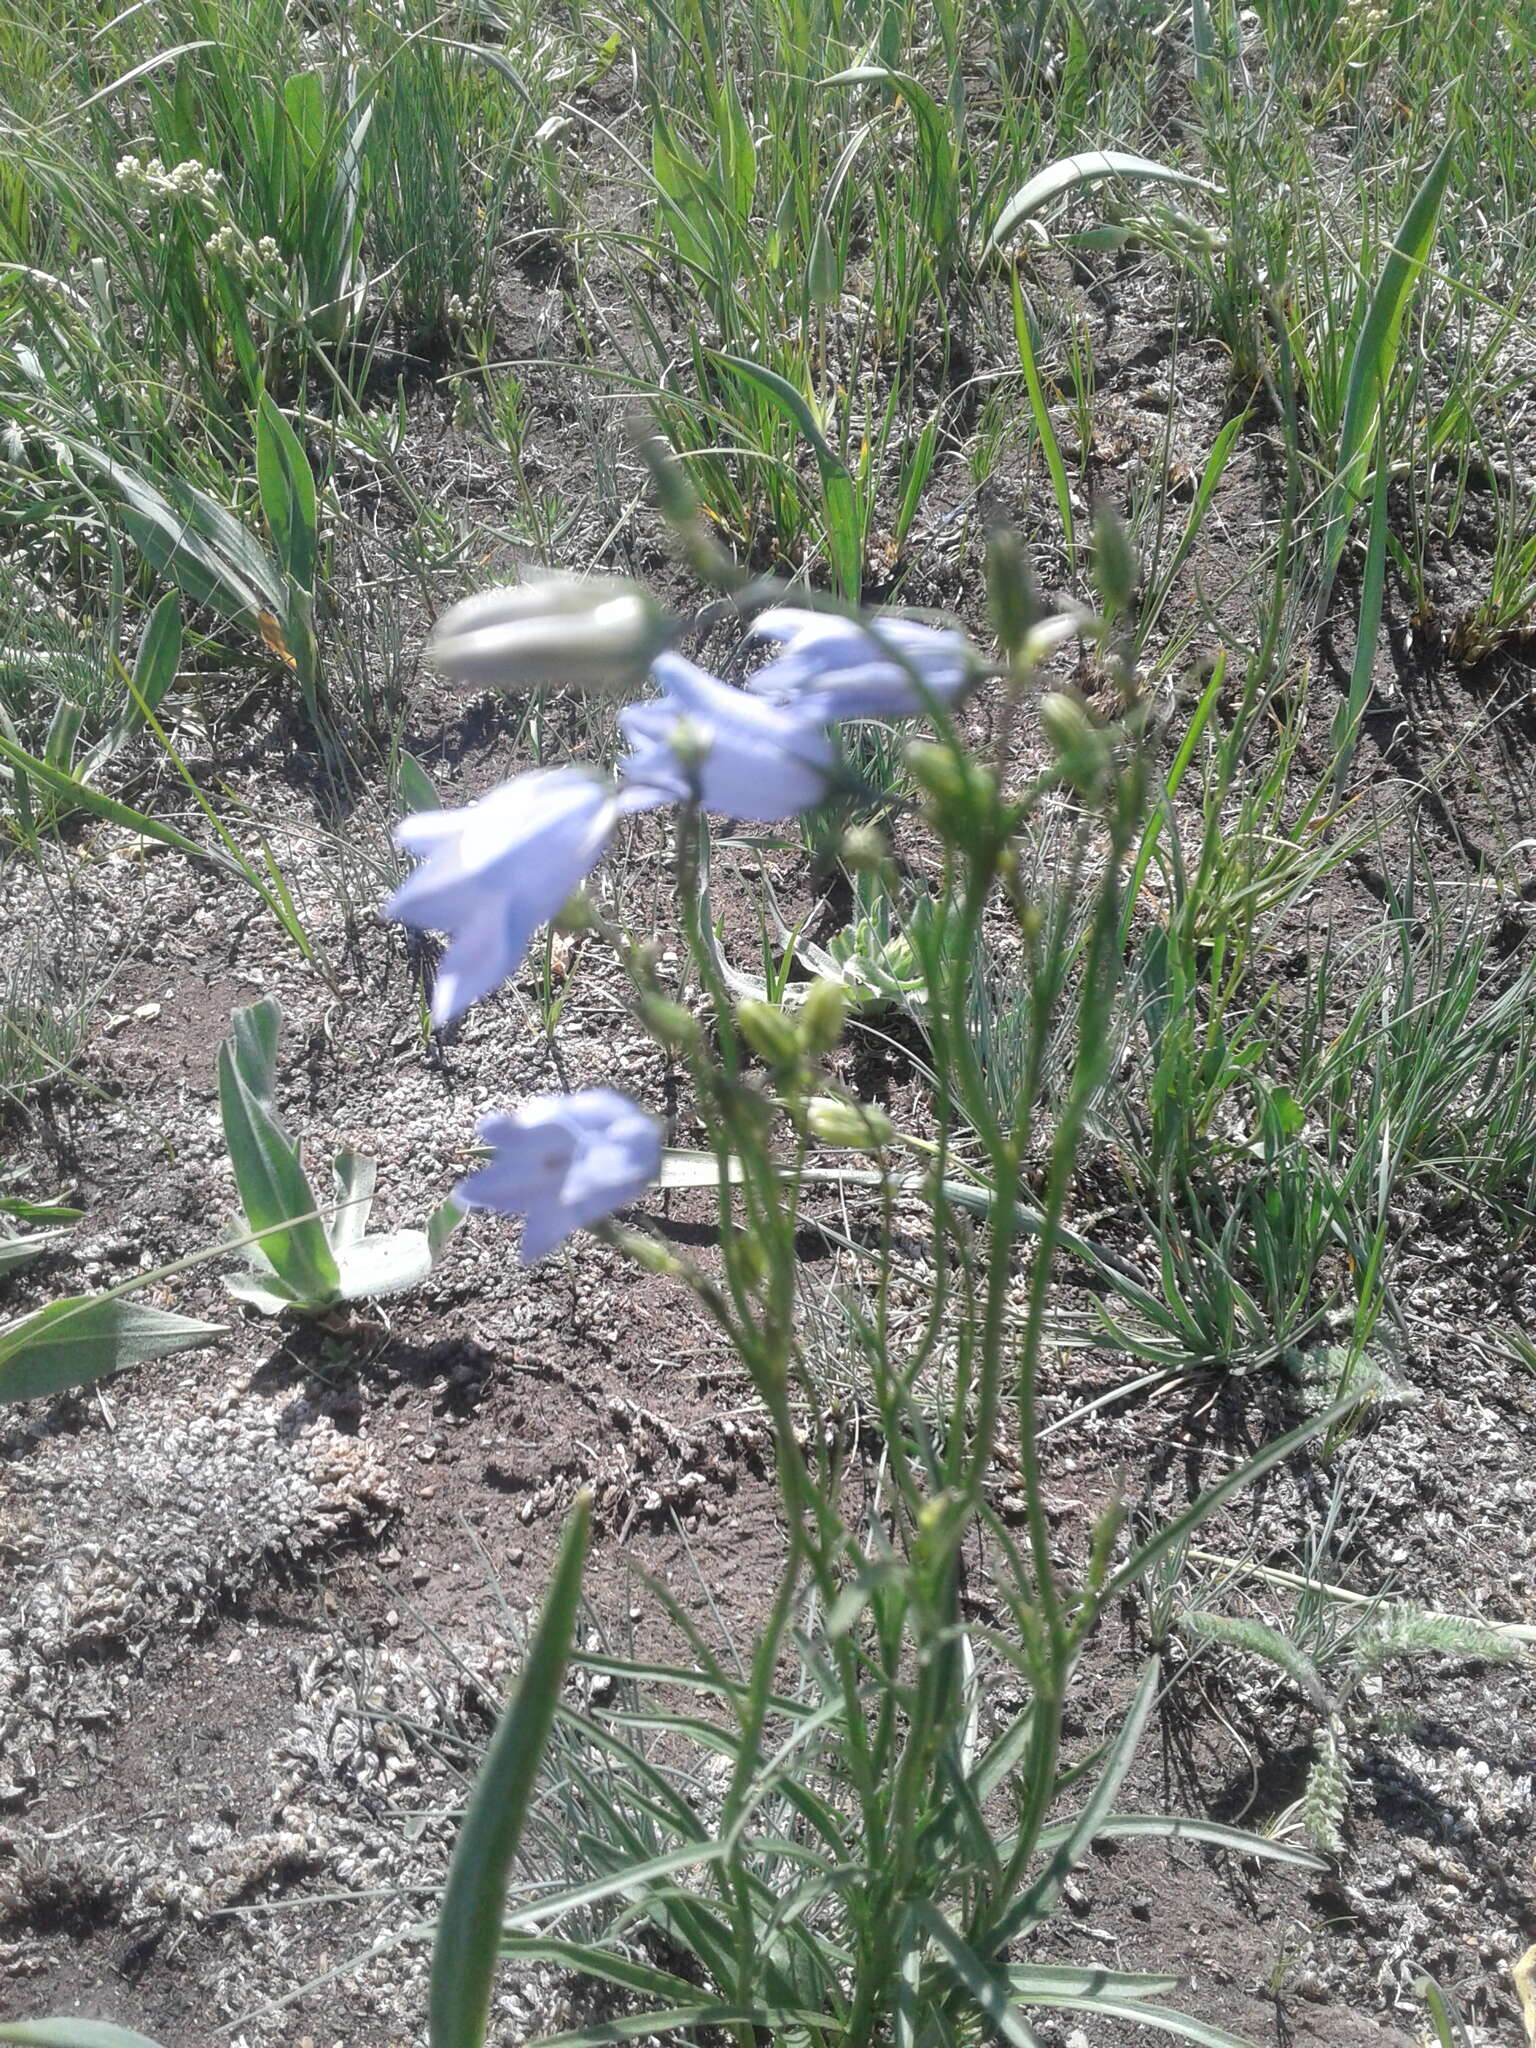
(468, 1944)
(1370, 369)
(1049, 445)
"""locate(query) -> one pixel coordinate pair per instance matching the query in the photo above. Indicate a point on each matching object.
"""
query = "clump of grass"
(49, 1006)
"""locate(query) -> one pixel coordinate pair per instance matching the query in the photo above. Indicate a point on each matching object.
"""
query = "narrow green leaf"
(353, 1175)
(1375, 352)
(840, 499)
(63, 731)
(936, 147)
(626, 1882)
(712, 2013)
(681, 1168)
(159, 657)
(93, 801)
(1050, 447)
(606, 1965)
(442, 1223)
(1066, 1854)
(130, 77)
(1373, 586)
(738, 152)
(484, 53)
(987, 1992)
(414, 786)
(1086, 168)
(274, 1191)
(790, 402)
(1158, 2017)
(468, 1940)
(254, 1030)
(72, 2033)
(1183, 1526)
(15, 1251)
(1445, 2018)
(38, 1212)
(1054, 1981)
(287, 487)
(79, 1339)
(169, 548)
(1210, 1834)
(1004, 1755)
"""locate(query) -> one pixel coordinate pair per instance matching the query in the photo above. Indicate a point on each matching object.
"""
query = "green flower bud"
(962, 795)
(1082, 749)
(938, 771)
(822, 1016)
(823, 272)
(1115, 571)
(649, 1253)
(1011, 597)
(772, 1034)
(1046, 635)
(865, 850)
(1066, 721)
(669, 1023)
(786, 213)
(675, 495)
(576, 914)
(856, 1126)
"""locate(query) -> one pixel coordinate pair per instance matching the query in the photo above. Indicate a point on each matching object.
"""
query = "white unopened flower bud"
(600, 633)
(1046, 635)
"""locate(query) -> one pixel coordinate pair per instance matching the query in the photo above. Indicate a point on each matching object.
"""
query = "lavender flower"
(564, 1161)
(830, 667)
(496, 870)
(732, 752)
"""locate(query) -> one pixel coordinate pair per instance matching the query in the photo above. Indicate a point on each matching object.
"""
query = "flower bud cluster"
(257, 263)
(149, 181)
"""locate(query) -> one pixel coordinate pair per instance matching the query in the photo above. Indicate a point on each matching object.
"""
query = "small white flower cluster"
(259, 263)
(151, 181)
(1366, 20)
(468, 312)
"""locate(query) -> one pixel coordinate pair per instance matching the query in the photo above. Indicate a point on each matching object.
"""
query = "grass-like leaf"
(1370, 368)
(1088, 167)
(468, 1943)
(844, 539)
(987, 1992)
(72, 2033)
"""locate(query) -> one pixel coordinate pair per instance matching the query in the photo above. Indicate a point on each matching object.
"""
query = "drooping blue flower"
(562, 1162)
(732, 752)
(833, 667)
(496, 870)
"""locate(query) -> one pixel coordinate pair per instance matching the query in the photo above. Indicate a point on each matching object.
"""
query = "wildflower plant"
(868, 1838)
